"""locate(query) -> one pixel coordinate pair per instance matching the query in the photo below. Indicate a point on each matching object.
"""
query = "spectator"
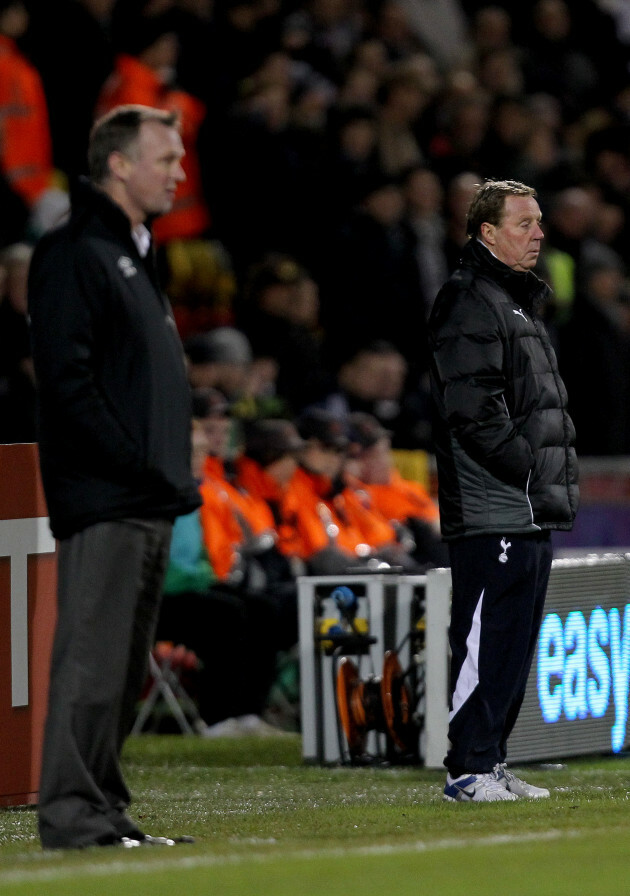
(324, 34)
(349, 156)
(599, 389)
(401, 501)
(309, 533)
(223, 359)
(26, 161)
(459, 193)
(424, 196)
(375, 379)
(355, 527)
(456, 146)
(280, 316)
(555, 62)
(233, 632)
(146, 57)
(371, 261)
(402, 99)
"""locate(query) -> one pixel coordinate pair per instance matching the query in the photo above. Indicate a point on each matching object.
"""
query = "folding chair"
(166, 685)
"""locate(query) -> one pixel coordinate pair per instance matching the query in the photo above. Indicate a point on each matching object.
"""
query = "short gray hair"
(488, 203)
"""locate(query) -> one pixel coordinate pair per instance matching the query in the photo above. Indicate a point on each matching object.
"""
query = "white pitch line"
(206, 861)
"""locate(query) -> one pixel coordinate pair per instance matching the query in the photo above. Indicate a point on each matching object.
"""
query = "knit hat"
(323, 425)
(268, 440)
(364, 430)
(223, 345)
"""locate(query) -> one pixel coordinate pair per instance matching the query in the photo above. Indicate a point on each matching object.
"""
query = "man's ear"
(487, 232)
(119, 165)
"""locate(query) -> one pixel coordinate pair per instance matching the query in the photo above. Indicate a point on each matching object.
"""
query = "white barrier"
(577, 694)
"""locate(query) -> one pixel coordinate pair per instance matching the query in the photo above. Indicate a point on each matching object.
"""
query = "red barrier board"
(28, 577)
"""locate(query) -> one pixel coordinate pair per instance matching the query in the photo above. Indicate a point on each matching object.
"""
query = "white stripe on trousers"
(468, 677)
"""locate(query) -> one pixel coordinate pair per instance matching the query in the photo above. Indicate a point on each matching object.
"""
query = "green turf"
(265, 823)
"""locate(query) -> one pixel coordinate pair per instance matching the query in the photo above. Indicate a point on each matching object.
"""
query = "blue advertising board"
(577, 694)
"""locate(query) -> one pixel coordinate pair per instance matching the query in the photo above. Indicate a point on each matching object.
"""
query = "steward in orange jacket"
(397, 499)
(352, 524)
(25, 142)
(151, 49)
(233, 523)
(268, 472)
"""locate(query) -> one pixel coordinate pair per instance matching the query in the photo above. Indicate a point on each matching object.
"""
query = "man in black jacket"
(114, 442)
(507, 475)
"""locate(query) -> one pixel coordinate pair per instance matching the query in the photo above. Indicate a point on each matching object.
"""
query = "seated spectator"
(375, 379)
(396, 499)
(238, 530)
(361, 530)
(234, 632)
(306, 530)
(200, 283)
(280, 316)
(222, 358)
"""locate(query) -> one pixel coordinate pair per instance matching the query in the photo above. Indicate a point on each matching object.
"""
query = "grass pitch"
(265, 823)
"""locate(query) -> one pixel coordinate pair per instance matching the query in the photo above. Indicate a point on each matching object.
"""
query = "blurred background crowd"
(332, 149)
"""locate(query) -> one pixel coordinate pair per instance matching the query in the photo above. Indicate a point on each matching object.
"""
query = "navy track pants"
(499, 588)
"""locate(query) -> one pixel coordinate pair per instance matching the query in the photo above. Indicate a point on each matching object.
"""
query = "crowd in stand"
(332, 148)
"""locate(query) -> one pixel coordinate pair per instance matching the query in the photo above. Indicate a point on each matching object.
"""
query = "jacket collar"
(88, 199)
(524, 287)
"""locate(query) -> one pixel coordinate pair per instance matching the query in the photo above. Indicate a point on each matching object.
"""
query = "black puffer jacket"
(503, 438)
(114, 402)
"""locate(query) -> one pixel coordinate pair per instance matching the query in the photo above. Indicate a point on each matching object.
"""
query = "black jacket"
(114, 402)
(503, 438)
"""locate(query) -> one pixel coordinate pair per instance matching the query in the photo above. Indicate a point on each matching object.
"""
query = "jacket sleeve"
(469, 359)
(68, 291)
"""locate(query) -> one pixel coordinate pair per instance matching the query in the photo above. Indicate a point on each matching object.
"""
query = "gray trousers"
(110, 579)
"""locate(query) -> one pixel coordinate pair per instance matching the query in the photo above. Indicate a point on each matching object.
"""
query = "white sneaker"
(225, 728)
(254, 725)
(483, 788)
(517, 785)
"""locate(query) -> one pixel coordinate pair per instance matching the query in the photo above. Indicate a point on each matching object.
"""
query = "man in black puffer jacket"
(507, 475)
(114, 441)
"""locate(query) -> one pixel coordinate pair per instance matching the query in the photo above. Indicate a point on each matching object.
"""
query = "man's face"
(152, 171)
(516, 240)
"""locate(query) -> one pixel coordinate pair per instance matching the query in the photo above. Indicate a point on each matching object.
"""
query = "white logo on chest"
(519, 312)
(126, 266)
(503, 557)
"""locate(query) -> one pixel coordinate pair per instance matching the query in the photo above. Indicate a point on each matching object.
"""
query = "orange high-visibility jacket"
(229, 518)
(25, 143)
(134, 82)
(301, 531)
(307, 521)
(401, 499)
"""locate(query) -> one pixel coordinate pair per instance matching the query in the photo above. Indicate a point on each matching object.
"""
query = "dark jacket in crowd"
(503, 438)
(114, 403)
